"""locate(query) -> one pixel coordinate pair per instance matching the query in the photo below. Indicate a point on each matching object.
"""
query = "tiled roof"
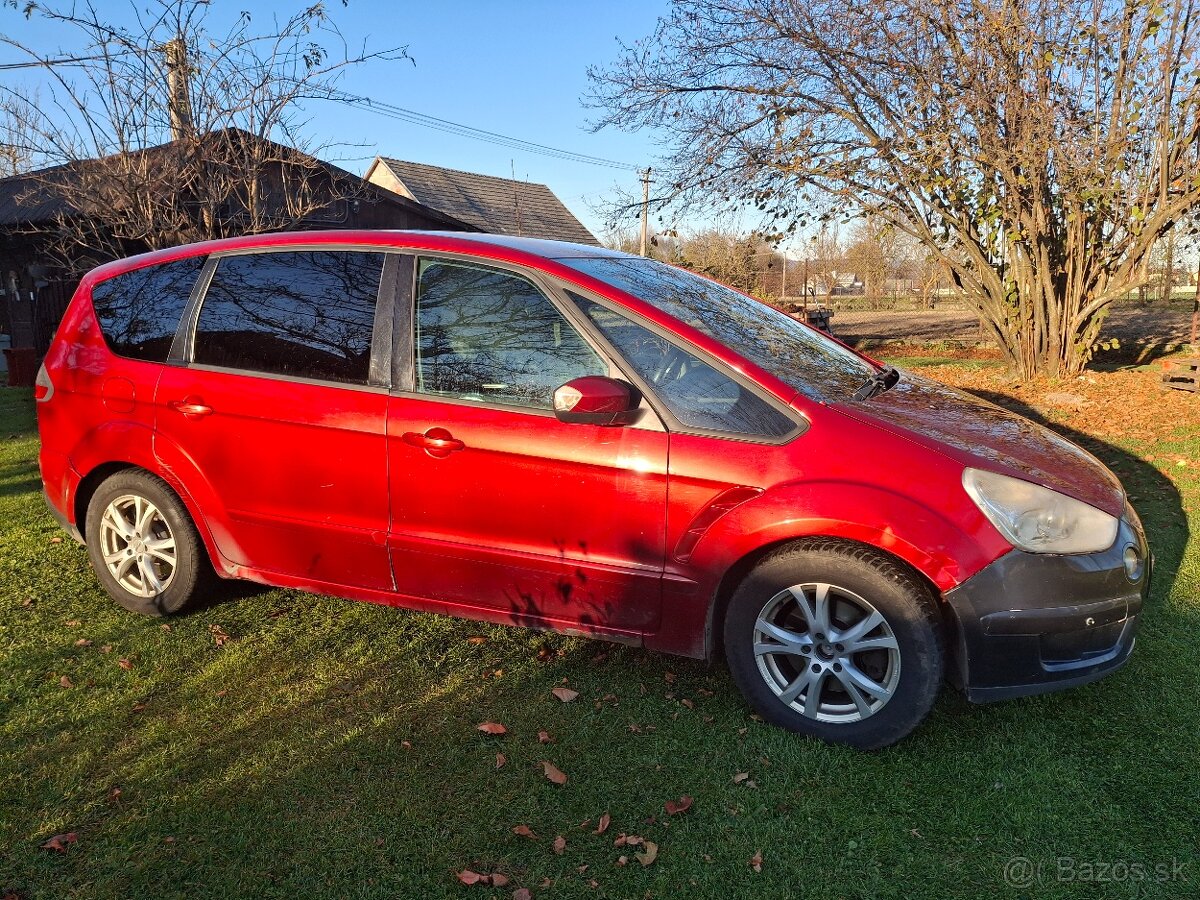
(499, 205)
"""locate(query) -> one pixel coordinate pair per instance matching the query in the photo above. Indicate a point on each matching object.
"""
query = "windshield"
(802, 357)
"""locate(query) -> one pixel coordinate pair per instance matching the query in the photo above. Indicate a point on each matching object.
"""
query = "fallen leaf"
(60, 842)
(669, 677)
(522, 894)
(650, 854)
(65, 682)
(56, 540)
(756, 861)
(501, 759)
(684, 804)
(125, 664)
(407, 745)
(560, 844)
(688, 703)
(499, 879)
(603, 826)
(73, 623)
(492, 728)
(466, 876)
(476, 639)
(27, 602)
(543, 737)
(220, 638)
(168, 840)
(627, 840)
(622, 859)
(221, 693)
(138, 707)
(524, 831)
(107, 648)
(565, 694)
(83, 642)
(740, 777)
(165, 627)
(554, 773)
(114, 795)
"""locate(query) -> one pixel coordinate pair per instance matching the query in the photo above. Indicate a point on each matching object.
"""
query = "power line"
(401, 114)
(61, 61)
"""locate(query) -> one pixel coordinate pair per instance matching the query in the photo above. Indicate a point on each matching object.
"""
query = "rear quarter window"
(139, 311)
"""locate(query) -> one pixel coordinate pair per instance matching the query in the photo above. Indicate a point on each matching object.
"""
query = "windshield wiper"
(878, 383)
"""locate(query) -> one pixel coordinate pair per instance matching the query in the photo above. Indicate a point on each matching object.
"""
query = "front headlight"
(1038, 519)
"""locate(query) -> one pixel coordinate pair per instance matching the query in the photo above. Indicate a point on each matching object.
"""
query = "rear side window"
(697, 394)
(307, 314)
(139, 311)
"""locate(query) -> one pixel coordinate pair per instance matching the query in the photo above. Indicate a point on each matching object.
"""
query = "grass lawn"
(278, 744)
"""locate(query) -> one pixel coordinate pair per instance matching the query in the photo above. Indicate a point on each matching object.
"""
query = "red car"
(563, 437)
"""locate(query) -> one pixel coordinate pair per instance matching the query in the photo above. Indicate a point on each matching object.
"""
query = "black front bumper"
(1032, 623)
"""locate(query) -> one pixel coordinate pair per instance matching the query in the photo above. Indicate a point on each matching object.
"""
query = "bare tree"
(1038, 147)
(164, 132)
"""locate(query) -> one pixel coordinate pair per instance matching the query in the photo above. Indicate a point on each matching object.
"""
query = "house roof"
(498, 205)
(31, 199)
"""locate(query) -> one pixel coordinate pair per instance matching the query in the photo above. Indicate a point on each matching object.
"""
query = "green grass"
(329, 749)
(908, 362)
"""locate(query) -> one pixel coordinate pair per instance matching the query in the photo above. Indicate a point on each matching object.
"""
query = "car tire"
(872, 647)
(143, 545)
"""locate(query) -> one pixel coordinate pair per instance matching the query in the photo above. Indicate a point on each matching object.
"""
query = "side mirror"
(596, 400)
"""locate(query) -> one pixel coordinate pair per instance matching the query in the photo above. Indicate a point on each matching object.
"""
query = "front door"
(277, 408)
(498, 506)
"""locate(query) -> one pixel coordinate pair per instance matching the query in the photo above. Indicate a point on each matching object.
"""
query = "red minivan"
(564, 437)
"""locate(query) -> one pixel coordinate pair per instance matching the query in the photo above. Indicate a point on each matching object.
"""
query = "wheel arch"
(741, 567)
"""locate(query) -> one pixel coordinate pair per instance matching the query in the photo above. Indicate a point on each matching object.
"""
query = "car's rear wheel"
(143, 546)
(836, 640)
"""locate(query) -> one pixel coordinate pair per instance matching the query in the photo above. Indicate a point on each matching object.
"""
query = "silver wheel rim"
(138, 546)
(827, 653)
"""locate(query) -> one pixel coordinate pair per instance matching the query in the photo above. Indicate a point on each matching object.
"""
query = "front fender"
(946, 546)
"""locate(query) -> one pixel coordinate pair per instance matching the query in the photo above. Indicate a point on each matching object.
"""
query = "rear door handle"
(191, 408)
(437, 442)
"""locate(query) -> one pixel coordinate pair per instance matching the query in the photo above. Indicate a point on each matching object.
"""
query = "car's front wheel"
(836, 640)
(143, 546)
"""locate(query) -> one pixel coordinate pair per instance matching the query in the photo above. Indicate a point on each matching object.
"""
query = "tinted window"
(697, 394)
(804, 358)
(139, 311)
(487, 335)
(308, 314)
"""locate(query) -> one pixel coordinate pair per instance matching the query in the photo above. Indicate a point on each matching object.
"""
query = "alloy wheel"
(137, 545)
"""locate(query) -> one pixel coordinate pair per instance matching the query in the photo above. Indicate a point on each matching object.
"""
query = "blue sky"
(517, 68)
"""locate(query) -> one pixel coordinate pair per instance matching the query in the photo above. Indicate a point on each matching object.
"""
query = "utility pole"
(179, 103)
(645, 206)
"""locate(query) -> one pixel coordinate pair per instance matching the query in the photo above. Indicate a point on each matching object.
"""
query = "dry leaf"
(65, 682)
(27, 602)
(492, 728)
(621, 860)
(669, 677)
(688, 703)
(740, 777)
(756, 861)
(83, 642)
(603, 826)
(684, 804)
(501, 759)
(56, 540)
(407, 745)
(554, 773)
(524, 831)
(73, 623)
(107, 648)
(165, 627)
(499, 880)
(125, 664)
(466, 876)
(649, 855)
(565, 694)
(543, 737)
(114, 795)
(220, 638)
(560, 844)
(522, 894)
(476, 639)
(60, 842)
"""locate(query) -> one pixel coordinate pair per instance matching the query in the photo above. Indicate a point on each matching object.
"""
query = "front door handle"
(191, 408)
(437, 442)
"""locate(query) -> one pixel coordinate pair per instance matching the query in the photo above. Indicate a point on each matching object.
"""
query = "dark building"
(37, 208)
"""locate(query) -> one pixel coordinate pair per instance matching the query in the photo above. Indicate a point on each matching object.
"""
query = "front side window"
(697, 394)
(139, 311)
(490, 336)
(307, 314)
(805, 359)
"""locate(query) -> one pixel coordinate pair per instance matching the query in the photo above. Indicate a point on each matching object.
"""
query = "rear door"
(279, 398)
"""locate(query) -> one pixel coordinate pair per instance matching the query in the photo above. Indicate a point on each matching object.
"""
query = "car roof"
(496, 245)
